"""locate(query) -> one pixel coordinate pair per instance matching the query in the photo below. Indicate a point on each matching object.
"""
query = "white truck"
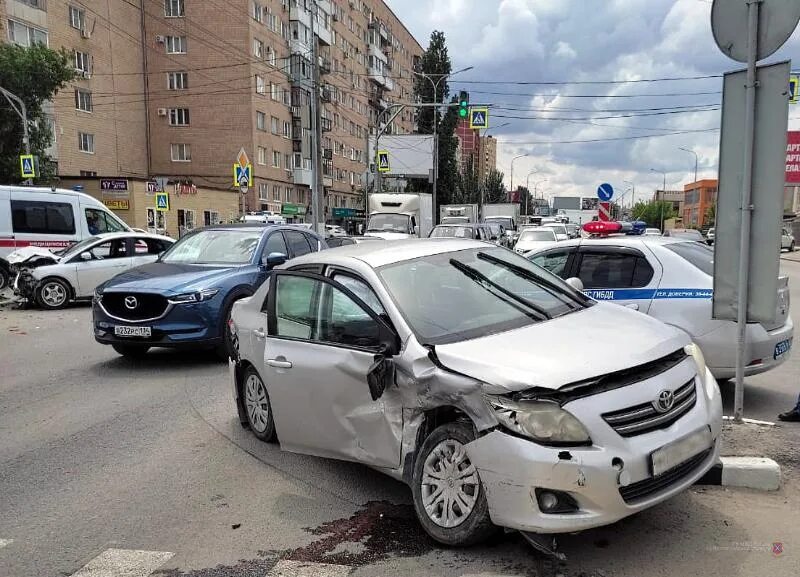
(458, 213)
(394, 216)
(506, 213)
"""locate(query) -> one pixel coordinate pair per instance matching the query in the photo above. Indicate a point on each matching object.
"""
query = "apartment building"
(171, 90)
(699, 197)
(480, 151)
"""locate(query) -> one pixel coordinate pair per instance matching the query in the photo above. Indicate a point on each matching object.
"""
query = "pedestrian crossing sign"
(479, 117)
(794, 97)
(27, 166)
(383, 161)
(162, 202)
(242, 173)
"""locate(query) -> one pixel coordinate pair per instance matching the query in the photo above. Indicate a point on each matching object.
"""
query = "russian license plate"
(672, 455)
(122, 331)
(782, 348)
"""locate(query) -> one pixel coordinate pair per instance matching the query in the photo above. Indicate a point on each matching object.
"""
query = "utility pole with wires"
(317, 208)
(18, 106)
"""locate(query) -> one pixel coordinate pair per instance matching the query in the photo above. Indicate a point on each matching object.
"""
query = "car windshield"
(216, 247)
(465, 294)
(558, 228)
(389, 223)
(690, 234)
(454, 219)
(451, 232)
(700, 255)
(505, 221)
(537, 235)
(79, 247)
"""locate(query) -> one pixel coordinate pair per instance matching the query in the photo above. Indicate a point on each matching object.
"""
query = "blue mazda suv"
(184, 299)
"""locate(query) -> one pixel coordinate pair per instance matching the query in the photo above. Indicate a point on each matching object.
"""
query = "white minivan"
(49, 218)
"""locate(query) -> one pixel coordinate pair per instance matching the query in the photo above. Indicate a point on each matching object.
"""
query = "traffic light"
(463, 104)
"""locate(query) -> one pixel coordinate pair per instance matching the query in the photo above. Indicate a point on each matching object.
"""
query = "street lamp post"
(695, 159)
(663, 194)
(512, 170)
(633, 194)
(528, 188)
(18, 106)
(435, 86)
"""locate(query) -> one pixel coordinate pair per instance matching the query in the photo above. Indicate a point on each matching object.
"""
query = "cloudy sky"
(572, 49)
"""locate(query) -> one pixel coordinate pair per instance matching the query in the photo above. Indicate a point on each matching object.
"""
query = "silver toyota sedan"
(502, 396)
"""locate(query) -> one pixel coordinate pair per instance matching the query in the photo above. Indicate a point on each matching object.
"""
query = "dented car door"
(318, 327)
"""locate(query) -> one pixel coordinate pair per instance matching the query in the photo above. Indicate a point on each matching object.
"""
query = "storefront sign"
(185, 188)
(793, 157)
(113, 184)
(117, 204)
(153, 187)
(293, 209)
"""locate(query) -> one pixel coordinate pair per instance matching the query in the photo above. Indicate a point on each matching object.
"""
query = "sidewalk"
(792, 256)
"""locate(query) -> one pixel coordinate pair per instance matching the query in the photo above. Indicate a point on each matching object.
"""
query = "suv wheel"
(257, 406)
(53, 294)
(131, 351)
(448, 495)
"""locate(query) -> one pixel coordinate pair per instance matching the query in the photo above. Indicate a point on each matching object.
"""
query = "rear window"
(699, 255)
(36, 217)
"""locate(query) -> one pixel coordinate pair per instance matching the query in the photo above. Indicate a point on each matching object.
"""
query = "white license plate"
(782, 348)
(672, 455)
(121, 331)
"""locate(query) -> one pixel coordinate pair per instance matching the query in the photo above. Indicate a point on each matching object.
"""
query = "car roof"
(377, 254)
(126, 234)
(461, 224)
(624, 240)
(255, 226)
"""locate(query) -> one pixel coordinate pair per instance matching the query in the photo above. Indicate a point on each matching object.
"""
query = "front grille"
(148, 306)
(644, 418)
(644, 489)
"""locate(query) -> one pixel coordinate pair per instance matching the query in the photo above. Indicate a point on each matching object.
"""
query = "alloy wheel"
(54, 294)
(450, 484)
(256, 403)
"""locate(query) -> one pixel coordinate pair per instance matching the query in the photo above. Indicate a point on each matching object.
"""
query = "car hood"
(29, 253)
(601, 339)
(389, 235)
(527, 245)
(166, 278)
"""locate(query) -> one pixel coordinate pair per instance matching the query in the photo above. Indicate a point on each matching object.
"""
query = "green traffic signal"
(463, 104)
(462, 112)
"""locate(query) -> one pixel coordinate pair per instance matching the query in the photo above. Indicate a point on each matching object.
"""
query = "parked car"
(336, 241)
(573, 230)
(49, 218)
(185, 298)
(449, 364)
(334, 230)
(787, 240)
(652, 232)
(53, 280)
(671, 279)
(685, 234)
(498, 233)
(710, 234)
(472, 231)
(559, 229)
(532, 238)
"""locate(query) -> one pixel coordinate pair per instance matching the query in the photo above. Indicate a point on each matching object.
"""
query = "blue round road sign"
(605, 191)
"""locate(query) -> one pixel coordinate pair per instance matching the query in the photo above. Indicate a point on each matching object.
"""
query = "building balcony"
(303, 176)
(327, 181)
(300, 14)
(380, 78)
(376, 52)
(299, 47)
(324, 34)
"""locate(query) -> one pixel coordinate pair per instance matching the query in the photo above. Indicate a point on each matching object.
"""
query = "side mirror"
(275, 259)
(575, 283)
(86, 256)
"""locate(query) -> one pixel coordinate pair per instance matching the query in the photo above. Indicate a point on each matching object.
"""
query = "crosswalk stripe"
(123, 563)
(4, 542)
(305, 569)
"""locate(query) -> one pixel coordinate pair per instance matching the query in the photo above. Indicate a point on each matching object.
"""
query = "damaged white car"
(53, 280)
(501, 395)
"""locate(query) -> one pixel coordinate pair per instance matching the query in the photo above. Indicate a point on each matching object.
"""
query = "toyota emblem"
(131, 303)
(664, 402)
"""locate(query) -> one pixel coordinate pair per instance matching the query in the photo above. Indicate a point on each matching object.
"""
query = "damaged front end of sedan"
(22, 263)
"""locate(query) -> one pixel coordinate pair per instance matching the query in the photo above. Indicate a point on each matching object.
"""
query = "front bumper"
(719, 348)
(512, 468)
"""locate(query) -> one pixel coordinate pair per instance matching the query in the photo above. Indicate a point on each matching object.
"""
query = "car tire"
(225, 349)
(53, 293)
(131, 351)
(257, 407)
(791, 247)
(442, 457)
(5, 278)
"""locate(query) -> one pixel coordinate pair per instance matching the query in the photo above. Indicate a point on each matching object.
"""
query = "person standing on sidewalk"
(793, 415)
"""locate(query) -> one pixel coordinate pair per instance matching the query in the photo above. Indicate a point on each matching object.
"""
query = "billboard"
(409, 155)
(566, 203)
(589, 203)
(793, 157)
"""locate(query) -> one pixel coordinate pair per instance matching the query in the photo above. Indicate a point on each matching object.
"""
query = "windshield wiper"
(487, 283)
(555, 290)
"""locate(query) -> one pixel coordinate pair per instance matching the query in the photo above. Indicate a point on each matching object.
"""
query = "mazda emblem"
(131, 303)
(664, 402)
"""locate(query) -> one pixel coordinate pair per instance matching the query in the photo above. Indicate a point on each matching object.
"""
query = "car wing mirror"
(575, 283)
(275, 259)
(86, 256)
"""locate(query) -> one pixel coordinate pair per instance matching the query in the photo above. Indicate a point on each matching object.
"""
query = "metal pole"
(318, 211)
(661, 204)
(747, 208)
(434, 203)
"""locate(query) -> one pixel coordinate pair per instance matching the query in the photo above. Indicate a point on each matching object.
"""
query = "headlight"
(196, 297)
(694, 351)
(542, 421)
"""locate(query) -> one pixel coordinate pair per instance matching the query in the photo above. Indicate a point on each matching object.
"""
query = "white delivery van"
(50, 218)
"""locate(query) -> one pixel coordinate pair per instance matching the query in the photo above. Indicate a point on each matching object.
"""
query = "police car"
(670, 279)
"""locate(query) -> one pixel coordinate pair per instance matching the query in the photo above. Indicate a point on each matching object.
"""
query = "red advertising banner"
(793, 157)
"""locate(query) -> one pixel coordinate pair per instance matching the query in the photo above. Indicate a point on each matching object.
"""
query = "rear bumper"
(719, 348)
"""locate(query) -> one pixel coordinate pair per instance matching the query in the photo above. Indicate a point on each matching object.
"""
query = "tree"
(522, 193)
(434, 63)
(34, 74)
(448, 179)
(654, 213)
(469, 186)
(711, 216)
(494, 189)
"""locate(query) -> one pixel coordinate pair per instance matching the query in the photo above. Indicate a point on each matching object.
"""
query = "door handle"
(259, 333)
(632, 306)
(279, 363)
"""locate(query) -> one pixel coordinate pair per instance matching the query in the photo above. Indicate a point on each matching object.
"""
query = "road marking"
(305, 569)
(124, 563)
(4, 542)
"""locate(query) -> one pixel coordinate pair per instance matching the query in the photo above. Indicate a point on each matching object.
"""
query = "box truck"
(395, 216)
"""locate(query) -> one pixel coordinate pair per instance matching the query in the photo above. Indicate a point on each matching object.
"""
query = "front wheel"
(53, 294)
(131, 351)
(257, 406)
(791, 247)
(448, 496)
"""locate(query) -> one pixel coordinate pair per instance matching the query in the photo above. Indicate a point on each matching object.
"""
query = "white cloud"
(565, 51)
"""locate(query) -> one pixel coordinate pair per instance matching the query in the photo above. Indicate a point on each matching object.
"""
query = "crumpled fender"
(30, 253)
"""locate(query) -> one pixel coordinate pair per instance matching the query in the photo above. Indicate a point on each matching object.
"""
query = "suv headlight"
(543, 421)
(194, 297)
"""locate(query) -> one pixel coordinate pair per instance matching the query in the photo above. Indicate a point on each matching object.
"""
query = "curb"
(746, 472)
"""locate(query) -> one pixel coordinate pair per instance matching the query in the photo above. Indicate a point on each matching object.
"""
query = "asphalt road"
(106, 464)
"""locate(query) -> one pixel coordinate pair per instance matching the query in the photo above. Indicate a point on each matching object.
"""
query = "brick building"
(472, 147)
(172, 89)
(698, 198)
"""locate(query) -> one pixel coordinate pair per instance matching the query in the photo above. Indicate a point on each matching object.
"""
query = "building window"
(258, 12)
(185, 219)
(83, 100)
(276, 159)
(274, 91)
(288, 193)
(86, 142)
(276, 192)
(23, 35)
(83, 63)
(178, 80)
(271, 56)
(263, 190)
(262, 155)
(77, 18)
(274, 125)
(261, 120)
(88, 173)
(297, 160)
(179, 117)
(258, 48)
(174, 9)
(287, 161)
(176, 44)
(261, 87)
(210, 217)
(181, 152)
(287, 129)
